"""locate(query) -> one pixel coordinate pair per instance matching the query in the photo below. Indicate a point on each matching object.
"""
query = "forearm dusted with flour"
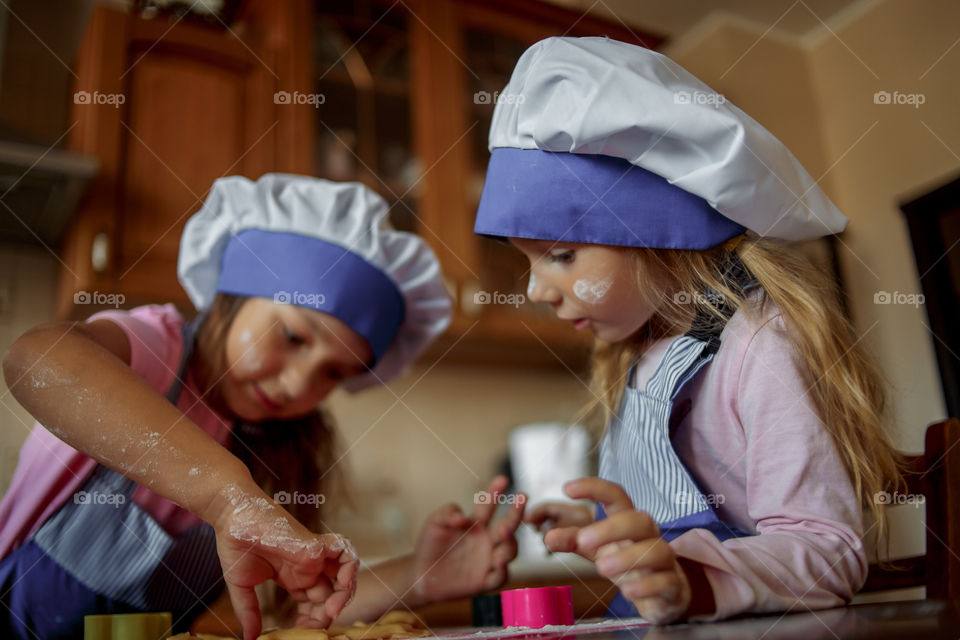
(73, 379)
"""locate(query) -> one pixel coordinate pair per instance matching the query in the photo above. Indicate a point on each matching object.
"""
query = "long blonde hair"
(843, 382)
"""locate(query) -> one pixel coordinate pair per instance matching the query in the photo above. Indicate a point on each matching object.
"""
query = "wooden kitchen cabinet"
(389, 94)
(195, 103)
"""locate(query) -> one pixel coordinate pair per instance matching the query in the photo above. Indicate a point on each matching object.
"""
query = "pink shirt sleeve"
(795, 492)
(154, 332)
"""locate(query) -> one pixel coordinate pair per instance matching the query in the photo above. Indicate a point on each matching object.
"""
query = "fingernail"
(586, 538)
(606, 565)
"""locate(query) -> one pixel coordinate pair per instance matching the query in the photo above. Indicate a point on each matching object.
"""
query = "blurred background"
(115, 118)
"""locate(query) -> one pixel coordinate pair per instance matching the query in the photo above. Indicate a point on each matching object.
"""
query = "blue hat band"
(309, 272)
(594, 199)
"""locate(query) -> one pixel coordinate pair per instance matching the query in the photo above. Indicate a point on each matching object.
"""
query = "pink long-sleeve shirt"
(757, 449)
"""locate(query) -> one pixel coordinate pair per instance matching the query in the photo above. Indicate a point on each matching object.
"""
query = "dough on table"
(395, 625)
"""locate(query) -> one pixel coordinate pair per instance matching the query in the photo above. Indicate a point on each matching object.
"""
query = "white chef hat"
(604, 142)
(322, 245)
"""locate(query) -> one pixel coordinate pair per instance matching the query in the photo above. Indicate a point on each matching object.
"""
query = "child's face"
(282, 360)
(593, 286)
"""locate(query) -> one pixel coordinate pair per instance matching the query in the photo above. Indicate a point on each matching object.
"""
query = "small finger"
(612, 496)
(623, 525)
(645, 556)
(660, 584)
(495, 578)
(483, 510)
(247, 609)
(562, 539)
(509, 523)
(504, 552)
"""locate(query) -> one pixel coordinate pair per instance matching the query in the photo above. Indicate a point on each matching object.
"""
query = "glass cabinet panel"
(361, 53)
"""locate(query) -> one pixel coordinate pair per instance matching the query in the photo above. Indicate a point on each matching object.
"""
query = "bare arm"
(74, 379)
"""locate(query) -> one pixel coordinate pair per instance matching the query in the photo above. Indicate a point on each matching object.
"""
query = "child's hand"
(627, 548)
(458, 555)
(258, 541)
(552, 515)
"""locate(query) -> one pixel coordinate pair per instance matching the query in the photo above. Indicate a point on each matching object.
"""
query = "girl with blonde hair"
(744, 432)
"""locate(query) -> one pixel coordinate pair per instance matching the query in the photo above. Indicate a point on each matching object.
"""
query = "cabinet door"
(363, 104)
(187, 126)
(187, 116)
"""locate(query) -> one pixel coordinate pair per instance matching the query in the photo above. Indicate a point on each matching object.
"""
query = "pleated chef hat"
(322, 245)
(604, 142)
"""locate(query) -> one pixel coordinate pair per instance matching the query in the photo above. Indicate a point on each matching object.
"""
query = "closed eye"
(562, 256)
(292, 337)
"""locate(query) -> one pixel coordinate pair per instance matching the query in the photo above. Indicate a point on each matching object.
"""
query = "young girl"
(744, 428)
(163, 441)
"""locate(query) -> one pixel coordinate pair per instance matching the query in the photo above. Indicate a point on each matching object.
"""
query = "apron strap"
(189, 334)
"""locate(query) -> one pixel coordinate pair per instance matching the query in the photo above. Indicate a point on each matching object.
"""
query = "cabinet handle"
(472, 298)
(100, 252)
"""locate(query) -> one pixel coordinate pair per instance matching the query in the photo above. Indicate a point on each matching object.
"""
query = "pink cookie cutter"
(537, 607)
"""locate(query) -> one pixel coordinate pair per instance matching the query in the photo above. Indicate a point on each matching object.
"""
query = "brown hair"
(290, 455)
(842, 381)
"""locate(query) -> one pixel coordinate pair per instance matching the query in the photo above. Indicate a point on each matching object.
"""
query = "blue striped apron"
(637, 453)
(101, 553)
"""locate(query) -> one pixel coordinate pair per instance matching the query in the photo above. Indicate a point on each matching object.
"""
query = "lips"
(265, 400)
(581, 323)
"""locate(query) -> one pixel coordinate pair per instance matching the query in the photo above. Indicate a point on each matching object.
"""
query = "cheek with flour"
(591, 292)
(251, 358)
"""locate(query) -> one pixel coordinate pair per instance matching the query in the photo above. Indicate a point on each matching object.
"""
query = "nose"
(540, 289)
(301, 378)
(295, 380)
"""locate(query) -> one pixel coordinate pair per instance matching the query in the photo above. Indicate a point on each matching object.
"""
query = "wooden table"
(920, 619)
